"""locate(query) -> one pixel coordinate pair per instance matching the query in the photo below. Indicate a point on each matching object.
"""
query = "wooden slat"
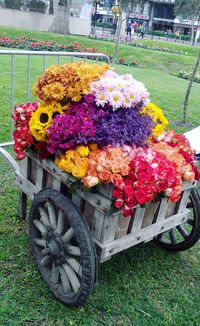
(56, 184)
(162, 210)
(25, 185)
(122, 226)
(98, 201)
(138, 219)
(184, 200)
(150, 212)
(39, 177)
(109, 227)
(97, 224)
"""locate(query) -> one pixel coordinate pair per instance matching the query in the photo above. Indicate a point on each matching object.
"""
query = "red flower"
(117, 193)
(141, 196)
(130, 201)
(128, 190)
(119, 203)
(127, 211)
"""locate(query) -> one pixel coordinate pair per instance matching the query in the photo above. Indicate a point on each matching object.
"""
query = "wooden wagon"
(71, 234)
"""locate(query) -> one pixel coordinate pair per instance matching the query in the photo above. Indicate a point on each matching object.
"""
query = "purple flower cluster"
(76, 126)
(84, 123)
(125, 126)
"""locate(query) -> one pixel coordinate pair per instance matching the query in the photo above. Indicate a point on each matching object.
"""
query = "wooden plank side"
(140, 235)
(25, 185)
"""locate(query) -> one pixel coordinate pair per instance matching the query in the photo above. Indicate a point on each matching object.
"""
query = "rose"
(128, 181)
(130, 201)
(128, 190)
(117, 193)
(104, 176)
(145, 177)
(119, 203)
(127, 211)
(90, 181)
(78, 172)
(141, 196)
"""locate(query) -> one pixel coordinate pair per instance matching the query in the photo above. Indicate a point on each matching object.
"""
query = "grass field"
(144, 285)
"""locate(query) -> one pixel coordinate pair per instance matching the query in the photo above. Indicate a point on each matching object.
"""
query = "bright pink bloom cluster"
(150, 174)
(22, 136)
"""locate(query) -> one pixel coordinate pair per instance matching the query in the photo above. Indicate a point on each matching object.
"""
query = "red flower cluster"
(181, 142)
(151, 173)
(22, 137)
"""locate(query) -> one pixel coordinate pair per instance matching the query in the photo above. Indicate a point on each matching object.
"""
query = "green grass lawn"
(144, 285)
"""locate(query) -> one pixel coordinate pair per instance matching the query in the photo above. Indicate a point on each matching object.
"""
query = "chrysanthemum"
(116, 100)
(54, 91)
(158, 117)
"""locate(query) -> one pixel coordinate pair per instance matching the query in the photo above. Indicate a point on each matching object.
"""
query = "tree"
(126, 6)
(188, 10)
(185, 105)
(61, 17)
(191, 10)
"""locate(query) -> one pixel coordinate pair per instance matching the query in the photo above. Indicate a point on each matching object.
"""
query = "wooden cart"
(70, 234)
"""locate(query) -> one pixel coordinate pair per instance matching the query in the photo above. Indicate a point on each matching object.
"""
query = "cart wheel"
(184, 236)
(62, 247)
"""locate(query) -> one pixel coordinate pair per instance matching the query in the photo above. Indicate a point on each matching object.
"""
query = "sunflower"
(42, 119)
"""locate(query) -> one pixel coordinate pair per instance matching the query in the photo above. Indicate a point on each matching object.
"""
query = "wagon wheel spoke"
(73, 250)
(54, 274)
(45, 261)
(183, 231)
(60, 225)
(64, 280)
(44, 215)
(52, 215)
(172, 236)
(75, 265)
(73, 279)
(40, 227)
(68, 235)
(40, 242)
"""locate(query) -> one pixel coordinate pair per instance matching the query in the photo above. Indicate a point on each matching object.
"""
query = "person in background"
(128, 28)
(142, 32)
(134, 25)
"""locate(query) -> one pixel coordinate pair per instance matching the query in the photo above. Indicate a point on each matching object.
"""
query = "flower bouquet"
(101, 128)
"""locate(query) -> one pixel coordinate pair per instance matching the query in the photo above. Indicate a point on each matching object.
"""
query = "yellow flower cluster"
(42, 118)
(74, 161)
(158, 117)
(67, 82)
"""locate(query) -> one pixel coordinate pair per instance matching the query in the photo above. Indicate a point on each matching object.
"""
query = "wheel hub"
(55, 245)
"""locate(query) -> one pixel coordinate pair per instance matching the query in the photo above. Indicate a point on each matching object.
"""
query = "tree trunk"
(119, 26)
(192, 33)
(185, 105)
(61, 17)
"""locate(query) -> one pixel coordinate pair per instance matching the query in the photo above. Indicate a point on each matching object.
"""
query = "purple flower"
(125, 126)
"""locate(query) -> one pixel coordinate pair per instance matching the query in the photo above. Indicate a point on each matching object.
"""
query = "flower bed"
(187, 76)
(102, 128)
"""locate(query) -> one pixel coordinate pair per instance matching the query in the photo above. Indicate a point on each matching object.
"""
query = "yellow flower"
(42, 119)
(69, 81)
(158, 117)
(83, 150)
(79, 172)
(54, 91)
